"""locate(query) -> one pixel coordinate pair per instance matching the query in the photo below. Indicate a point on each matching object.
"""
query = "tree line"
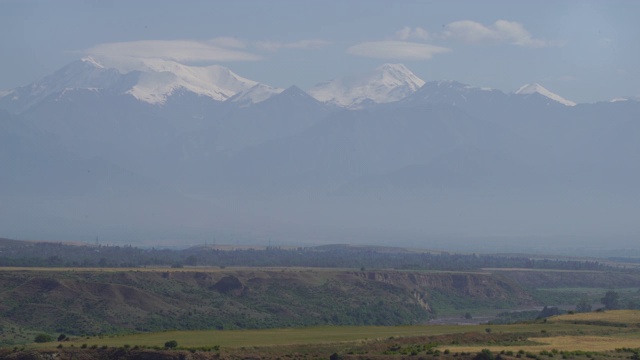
(48, 254)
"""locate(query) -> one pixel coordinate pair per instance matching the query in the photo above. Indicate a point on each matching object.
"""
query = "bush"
(468, 316)
(171, 344)
(42, 338)
(485, 354)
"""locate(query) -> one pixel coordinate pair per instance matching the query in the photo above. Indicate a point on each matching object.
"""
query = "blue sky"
(585, 51)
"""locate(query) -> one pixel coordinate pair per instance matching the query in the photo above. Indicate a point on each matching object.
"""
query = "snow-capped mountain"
(81, 74)
(387, 83)
(91, 142)
(535, 88)
(148, 80)
(161, 78)
(621, 99)
(254, 95)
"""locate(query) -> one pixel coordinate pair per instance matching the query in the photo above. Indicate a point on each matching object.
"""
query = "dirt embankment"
(474, 285)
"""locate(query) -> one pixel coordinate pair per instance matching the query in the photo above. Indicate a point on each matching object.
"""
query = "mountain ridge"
(291, 167)
(386, 83)
(154, 81)
(536, 88)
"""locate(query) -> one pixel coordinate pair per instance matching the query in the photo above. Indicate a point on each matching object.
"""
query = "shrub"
(171, 344)
(468, 315)
(485, 354)
(42, 338)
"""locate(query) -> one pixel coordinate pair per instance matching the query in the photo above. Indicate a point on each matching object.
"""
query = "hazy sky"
(583, 50)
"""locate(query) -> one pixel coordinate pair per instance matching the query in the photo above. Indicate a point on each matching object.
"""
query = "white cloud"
(399, 50)
(567, 78)
(228, 42)
(185, 51)
(311, 44)
(406, 33)
(510, 32)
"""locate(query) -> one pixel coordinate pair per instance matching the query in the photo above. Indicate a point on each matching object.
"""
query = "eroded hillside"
(100, 301)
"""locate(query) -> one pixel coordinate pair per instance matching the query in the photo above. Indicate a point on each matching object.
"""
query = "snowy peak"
(535, 88)
(386, 83)
(148, 80)
(398, 73)
(81, 74)
(161, 78)
(256, 94)
(90, 60)
(623, 99)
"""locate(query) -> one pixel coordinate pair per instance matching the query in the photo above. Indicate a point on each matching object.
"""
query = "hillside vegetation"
(74, 301)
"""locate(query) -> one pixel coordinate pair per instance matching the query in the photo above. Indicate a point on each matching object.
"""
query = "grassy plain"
(628, 317)
(605, 331)
(344, 334)
(563, 343)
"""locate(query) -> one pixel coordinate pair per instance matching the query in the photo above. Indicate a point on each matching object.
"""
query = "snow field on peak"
(92, 61)
(539, 89)
(256, 94)
(161, 78)
(387, 83)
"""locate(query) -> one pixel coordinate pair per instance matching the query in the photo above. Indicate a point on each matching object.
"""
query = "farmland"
(611, 334)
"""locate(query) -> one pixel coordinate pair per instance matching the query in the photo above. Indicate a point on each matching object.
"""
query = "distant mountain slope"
(387, 83)
(538, 89)
(254, 95)
(82, 74)
(149, 80)
(160, 78)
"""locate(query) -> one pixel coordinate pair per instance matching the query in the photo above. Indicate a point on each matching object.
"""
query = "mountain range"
(156, 150)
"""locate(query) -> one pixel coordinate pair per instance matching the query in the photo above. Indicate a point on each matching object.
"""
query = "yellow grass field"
(565, 343)
(629, 317)
(608, 337)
